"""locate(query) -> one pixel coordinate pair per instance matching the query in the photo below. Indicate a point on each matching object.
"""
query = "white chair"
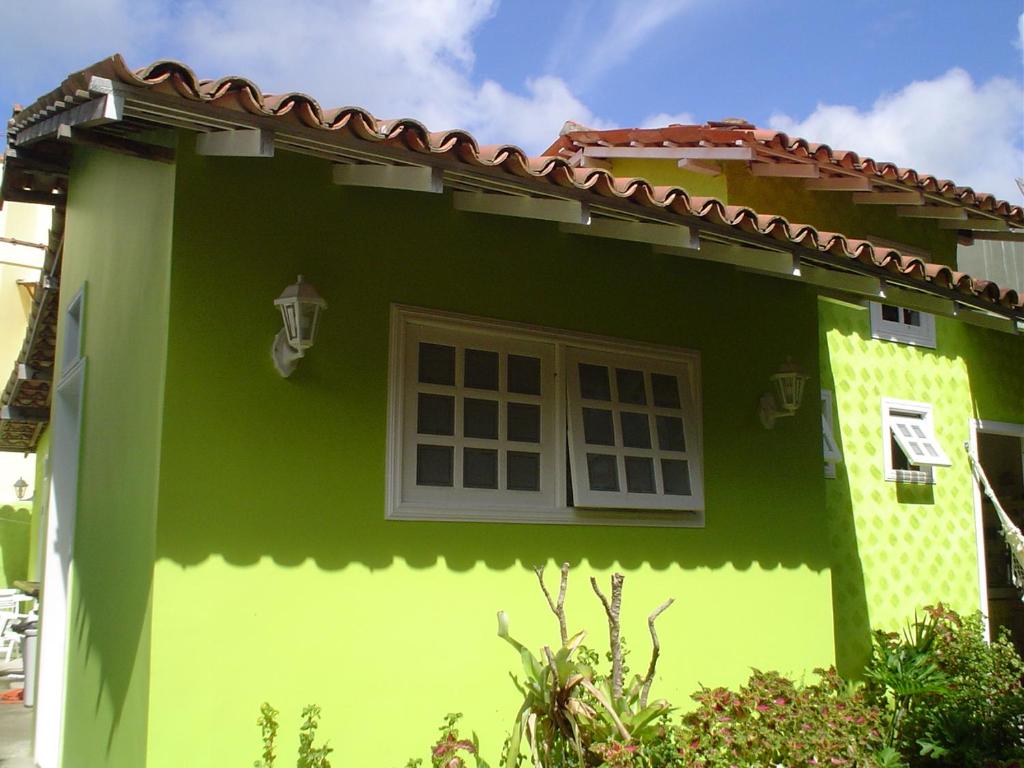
(10, 641)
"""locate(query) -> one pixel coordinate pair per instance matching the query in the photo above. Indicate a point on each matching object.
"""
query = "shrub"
(772, 721)
(979, 719)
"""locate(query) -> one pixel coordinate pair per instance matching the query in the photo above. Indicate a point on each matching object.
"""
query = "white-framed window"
(909, 446)
(907, 326)
(73, 331)
(500, 421)
(829, 444)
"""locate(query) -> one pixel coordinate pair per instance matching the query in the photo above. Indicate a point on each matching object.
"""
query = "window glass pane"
(480, 418)
(639, 474)
(523, 471)
(890, 313)
(631, 386)
(435, 415)
(524, 422)
(437, 364)
(670, 433)
(481, 369)
(603, 474)
(479, 468)
(676, 475)
(434, 464)
(636, 430)
(597, 427)
(524, 375)
(911, 317)
(666, 390)
(594, 382)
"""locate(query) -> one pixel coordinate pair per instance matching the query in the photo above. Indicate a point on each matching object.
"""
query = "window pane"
(435, 415)
(636, 430)
(666, 390)
(437, 364)
(670, 433)
(603, 474)
(479, 468)
(597, 427)
(594, 382)
(676, 475)
(631, 386)
(480, 418)
(434, 464)
(911, 317)
(639, 474)
(890, 313)
(481, 369)
(524, 422)
(524, 375)
(523, 471)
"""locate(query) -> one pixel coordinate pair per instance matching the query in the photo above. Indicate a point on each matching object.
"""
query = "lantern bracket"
(285, 357)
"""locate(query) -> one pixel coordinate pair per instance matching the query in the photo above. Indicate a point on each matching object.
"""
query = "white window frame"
(893, 411)
(829, 444)
(922, 335)
(404, 502)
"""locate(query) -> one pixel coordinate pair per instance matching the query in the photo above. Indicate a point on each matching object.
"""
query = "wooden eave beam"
(672, 153)
(946, 212)
(242, 142)
(977, 225)
(839, 184)
(909, 197)
(703, 167)
(28, 373)
(25, 415)
(541, 208)
(118, 144)
(411, 178)
(107, 108)
(635, 231)
(786, 170)
(772, 262)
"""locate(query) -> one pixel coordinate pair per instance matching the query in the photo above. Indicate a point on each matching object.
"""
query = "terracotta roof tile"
(551, 172)
(743, 134)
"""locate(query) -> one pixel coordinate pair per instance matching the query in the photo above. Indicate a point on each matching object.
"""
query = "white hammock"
(1011, 533)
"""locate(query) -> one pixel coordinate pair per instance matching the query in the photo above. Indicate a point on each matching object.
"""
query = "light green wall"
(914, 545)
(277, 576)
(118, 243)
(14, 543)
(40, 496)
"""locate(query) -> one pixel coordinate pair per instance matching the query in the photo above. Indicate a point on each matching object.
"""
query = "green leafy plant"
(267, 721)
(772, 721)
(450, 750)
(904, 670)
(311, 756)
(978, 719)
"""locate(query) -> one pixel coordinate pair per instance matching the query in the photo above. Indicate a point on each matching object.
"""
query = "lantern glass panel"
(290, 327)
(308, 315)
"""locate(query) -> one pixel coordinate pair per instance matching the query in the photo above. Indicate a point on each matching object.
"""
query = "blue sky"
(934, 85)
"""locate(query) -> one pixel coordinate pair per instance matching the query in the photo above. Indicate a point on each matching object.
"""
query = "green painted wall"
(914, 545)
(39, 496)
(14, 543)
(278, 577)
(118, 243)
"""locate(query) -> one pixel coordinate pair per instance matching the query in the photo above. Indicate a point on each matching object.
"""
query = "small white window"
(73, 331)
(829, 446)
(908, 326)
(486, 418)
(909, 447)
(632, 432)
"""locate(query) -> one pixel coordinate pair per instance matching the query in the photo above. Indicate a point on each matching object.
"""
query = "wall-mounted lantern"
(20, 488)
(785, 396)
(300, 307)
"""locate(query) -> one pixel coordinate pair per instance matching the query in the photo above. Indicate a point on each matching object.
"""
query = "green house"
(522, 361)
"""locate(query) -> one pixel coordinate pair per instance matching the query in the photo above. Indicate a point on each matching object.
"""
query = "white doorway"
(58, 546)
(999, 447)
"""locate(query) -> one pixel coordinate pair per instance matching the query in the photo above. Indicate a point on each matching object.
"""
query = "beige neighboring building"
(23, 237)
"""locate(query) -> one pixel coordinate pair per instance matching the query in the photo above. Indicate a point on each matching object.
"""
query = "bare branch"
(612, 609)
(655, 651)
(556, 608)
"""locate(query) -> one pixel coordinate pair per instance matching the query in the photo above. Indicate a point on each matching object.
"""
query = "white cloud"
(396, 58)
(662, 119)
(949, 127)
